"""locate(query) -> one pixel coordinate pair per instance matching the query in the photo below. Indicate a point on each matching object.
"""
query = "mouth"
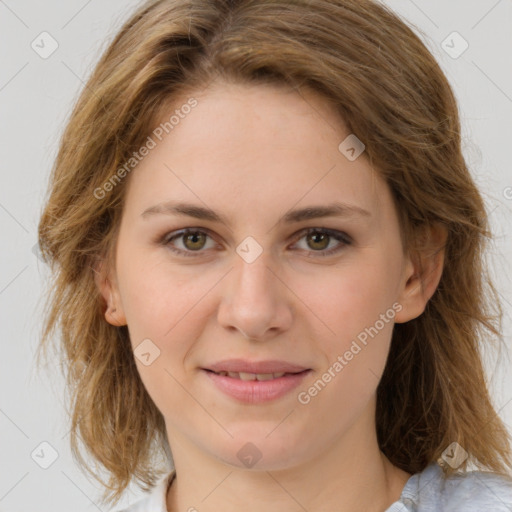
(254, 376)
(254, 388)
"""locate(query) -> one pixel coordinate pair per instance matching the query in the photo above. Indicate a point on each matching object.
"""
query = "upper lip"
(243, 365)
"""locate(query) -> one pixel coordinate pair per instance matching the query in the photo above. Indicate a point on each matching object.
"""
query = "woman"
(269, 253)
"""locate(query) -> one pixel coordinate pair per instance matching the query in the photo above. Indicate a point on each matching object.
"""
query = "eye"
(193, 240)
(320, 238)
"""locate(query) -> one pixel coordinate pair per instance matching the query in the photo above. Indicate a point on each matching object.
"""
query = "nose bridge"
(254, 301)
(252, 271)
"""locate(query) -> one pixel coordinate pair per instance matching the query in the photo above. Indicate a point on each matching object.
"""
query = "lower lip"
(255, 391)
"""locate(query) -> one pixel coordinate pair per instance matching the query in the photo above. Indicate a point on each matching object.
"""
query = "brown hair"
(391, 93)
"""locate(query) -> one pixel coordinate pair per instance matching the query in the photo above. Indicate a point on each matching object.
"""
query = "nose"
(255, 299)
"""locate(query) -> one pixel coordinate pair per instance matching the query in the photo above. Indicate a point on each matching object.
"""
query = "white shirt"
(428, 491)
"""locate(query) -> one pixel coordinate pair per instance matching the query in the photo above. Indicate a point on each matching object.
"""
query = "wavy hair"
(391, 93)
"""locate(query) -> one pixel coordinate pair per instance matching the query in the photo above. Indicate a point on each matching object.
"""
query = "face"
(320, 293)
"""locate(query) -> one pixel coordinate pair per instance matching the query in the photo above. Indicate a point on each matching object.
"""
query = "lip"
(255, 391)
(243, 365)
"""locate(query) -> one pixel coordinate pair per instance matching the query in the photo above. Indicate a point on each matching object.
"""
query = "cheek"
(154, 295)
(357, 313)
(168, 308)
(166, 304)
(348, 299)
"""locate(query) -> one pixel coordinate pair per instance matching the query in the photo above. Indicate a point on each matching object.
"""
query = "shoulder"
(479, 490)
(155, 500)
(472, 491)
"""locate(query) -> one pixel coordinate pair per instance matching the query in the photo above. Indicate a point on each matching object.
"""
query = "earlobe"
(109, 294)
(115, 317)
(422, 274)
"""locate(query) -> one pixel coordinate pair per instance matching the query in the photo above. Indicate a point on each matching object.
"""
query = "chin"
(251, 449)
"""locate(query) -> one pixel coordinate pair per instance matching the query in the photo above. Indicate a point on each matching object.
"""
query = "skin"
(253, 153)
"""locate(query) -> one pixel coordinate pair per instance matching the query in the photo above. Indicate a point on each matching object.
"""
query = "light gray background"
(36, 96)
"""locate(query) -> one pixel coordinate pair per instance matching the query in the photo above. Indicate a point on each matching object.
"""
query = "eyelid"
(343, 238)
(334, 233)
(338, 235)
(179, 233)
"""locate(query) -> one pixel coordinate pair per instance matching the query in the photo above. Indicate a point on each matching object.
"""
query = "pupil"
(323, 237)
(193, 237)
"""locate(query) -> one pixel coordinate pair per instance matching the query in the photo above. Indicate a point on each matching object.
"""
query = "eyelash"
(337, 235)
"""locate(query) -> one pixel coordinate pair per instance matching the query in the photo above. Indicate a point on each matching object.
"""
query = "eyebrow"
(311, 212)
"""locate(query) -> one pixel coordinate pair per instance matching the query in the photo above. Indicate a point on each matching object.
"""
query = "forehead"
(253, 148)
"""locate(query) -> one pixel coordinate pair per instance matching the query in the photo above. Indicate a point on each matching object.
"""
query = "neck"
(351, 475)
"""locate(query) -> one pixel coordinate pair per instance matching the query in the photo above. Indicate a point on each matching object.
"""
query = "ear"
(422, 273)
(106, 282)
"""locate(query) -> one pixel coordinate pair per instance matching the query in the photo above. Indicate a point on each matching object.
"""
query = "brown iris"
(321, 238)
(194, 238)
